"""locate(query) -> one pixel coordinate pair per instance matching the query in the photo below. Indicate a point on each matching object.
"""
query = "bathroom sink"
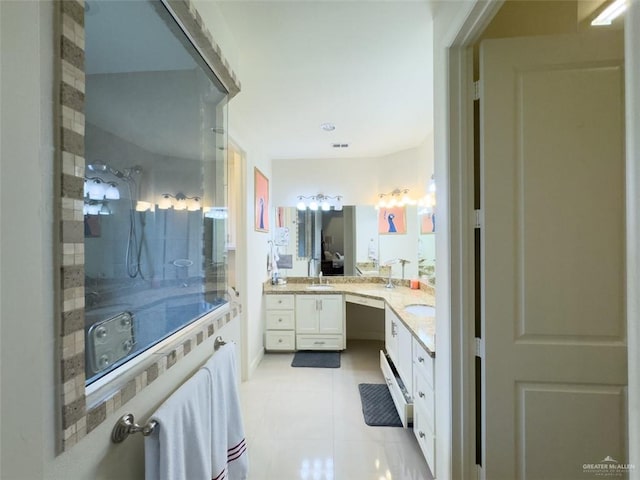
(420, 310)
(319, 287)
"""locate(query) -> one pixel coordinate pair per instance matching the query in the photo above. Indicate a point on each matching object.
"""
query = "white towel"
(229, 454)
(180, 446)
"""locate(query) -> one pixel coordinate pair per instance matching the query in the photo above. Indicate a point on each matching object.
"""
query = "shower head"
(104, 168)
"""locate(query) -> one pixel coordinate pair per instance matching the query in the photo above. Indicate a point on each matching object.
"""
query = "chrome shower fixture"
(125, 174)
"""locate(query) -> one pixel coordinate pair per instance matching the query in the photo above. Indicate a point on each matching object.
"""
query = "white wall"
(28, 360)
(632, 40)
(26, 278)
(448, 19)
(358, 180)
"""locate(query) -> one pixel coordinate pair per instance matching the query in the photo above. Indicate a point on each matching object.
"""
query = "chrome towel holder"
(126, 425)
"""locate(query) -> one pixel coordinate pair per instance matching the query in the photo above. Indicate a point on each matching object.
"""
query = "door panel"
(552, 278)
(306, 314)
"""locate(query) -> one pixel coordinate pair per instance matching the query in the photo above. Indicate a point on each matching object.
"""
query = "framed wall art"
(261, 201)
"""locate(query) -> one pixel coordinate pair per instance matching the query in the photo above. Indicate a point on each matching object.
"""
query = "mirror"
(356, 241)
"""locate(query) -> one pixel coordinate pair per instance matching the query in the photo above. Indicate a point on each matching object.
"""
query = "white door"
(330, 314)
(552, 277)
(307, 314)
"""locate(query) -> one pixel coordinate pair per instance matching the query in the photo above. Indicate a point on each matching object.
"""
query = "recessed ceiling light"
(328, 127)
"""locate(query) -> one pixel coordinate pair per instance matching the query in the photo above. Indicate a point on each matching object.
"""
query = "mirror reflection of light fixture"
(144, 206)
(179, 201)
(428, 202)
(610, 13)
(97, 189)
(319, 201)
(93, 207)
(398, 197)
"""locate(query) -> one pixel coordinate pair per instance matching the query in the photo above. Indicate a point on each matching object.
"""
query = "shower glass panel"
(154, 205)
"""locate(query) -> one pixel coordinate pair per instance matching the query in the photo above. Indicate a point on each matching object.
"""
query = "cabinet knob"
(318, 343)
(279, 340)
(279, 319)
(279, 301)
(421, 433)
(421, 359)
(421, 394)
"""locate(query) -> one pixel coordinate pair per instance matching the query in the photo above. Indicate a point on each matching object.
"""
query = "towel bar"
(217, 343)
(126, 424)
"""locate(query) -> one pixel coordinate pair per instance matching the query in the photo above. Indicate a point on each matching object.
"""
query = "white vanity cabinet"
(396, 365)
(320, 322)
(424, 413)
(280, 322)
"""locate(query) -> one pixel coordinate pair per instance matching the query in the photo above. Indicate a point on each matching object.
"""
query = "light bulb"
(193, 204)
(338, 205)
(112, 192)
(97, 189)
(104, 209)
(325, 206)
(301, 205)
(313, 205)
(143, 206)
(181, 204)
(165, 202)
(93, 209)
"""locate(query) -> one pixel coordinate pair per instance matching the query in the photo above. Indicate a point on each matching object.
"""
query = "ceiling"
(365, 66)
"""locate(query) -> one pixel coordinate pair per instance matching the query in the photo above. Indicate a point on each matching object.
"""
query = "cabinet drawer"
(403, 406)
(423, 362)
(280, 320)
(369, 302)
(281, 340)
(423, 398)
(426, 438)
(283, 302)
(319, 342)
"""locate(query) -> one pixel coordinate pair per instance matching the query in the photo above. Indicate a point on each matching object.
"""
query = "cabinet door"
(405, 357)
(307, 313)
(330, 314)
(390, 334)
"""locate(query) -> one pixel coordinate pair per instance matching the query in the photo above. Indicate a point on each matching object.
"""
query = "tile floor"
(307, 424)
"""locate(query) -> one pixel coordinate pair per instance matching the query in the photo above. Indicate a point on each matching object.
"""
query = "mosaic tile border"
(75, 420)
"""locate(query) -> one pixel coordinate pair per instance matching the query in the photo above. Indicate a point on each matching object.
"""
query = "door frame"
(460, 241)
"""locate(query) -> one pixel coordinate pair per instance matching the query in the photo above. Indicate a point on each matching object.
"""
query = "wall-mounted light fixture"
(319, 201)
(610, 13)
(398, 197)
(179, 201)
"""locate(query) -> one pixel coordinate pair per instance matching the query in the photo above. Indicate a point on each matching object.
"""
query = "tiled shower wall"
(76, 419)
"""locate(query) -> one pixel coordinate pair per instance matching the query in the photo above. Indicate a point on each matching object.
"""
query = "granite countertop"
(422, 328)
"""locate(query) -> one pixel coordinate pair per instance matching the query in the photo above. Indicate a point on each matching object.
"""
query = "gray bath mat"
(377, 406)
(316, 359)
